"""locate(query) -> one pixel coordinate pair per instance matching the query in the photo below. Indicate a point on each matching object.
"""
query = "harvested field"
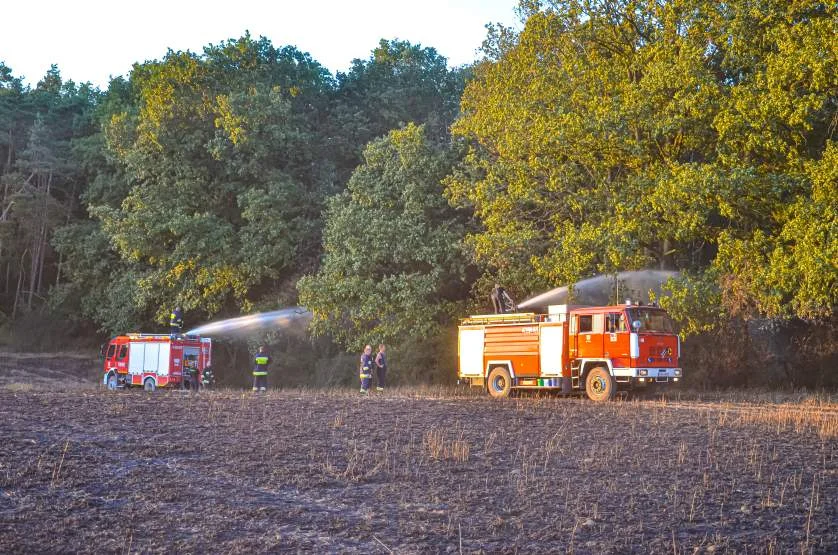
(412, 471)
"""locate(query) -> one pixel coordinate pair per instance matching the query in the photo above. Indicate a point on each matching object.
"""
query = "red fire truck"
(592, 349)
(151, 361)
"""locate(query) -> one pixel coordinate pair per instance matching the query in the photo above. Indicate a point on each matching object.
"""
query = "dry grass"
(414, 471)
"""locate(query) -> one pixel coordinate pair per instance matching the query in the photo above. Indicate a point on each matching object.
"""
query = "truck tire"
(149, 385)
(112, 381)
(600, 385)
(499, 382)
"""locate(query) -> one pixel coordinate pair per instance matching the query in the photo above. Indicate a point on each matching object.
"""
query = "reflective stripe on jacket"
(366, 366)
(260, 364)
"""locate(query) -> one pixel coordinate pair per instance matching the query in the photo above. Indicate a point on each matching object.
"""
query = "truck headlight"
(676, 372)
(642, 372)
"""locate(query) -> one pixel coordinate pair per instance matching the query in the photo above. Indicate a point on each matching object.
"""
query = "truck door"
(589, 339)
(551, 351)
(471, 343)
(616, 339)
(136, 359)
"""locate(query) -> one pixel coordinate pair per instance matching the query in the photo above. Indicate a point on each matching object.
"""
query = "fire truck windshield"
(652, 320)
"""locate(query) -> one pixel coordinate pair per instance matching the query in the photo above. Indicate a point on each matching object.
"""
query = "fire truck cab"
(570, 349)
(151, 361)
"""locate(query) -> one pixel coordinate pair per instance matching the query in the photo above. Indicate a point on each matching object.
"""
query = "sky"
(93, 40)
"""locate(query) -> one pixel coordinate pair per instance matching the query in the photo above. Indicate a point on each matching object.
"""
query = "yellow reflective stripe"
(366, 376)
(261, 360)
(260, 373)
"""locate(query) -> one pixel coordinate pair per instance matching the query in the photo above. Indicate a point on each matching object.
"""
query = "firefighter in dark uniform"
(366, 369)
(380, 368)
(501, 301)
(260, 369)
(176, 322)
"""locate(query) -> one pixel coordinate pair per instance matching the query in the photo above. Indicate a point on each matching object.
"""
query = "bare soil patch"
(409, 472)
(26, 371)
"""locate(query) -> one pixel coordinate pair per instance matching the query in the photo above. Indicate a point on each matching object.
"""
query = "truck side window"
(123, 352)
(586, 323)
(615, 322)
(111, 351)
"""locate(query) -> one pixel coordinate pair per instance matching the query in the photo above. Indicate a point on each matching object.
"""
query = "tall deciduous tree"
(621, 135)
(400, 83)
(393, 266)
(226, 181)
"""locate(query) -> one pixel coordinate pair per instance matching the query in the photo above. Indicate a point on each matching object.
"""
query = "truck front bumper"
(649, 374)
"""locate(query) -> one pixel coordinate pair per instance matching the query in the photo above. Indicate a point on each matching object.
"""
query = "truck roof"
(156, 337)
(535, 317)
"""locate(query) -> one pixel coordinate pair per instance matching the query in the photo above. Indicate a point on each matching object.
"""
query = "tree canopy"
(605, 135)
(393, 265)
(688, 134)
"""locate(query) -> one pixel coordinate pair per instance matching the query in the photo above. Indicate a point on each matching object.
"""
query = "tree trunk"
(19, 283)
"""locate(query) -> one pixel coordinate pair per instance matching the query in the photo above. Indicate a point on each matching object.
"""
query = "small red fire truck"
(151, 361)
(592, 349)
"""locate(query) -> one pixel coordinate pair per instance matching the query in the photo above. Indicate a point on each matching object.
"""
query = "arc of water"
(251, 322)
(597, 290)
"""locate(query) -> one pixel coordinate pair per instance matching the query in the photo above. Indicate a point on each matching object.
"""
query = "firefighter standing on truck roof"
(366, 368)
(501, 301)
(260, 369)
(176, 321)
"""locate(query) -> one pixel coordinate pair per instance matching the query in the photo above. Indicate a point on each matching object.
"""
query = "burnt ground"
(88, 470)
(26, 371)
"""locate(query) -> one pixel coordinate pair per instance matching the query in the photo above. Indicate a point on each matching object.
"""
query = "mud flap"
(567, 386)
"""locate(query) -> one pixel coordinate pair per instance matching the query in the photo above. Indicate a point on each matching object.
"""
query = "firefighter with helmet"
(176, 321)
(366, 369)
(260, 369)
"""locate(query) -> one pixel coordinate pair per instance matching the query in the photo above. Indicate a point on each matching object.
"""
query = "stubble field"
(412, 471)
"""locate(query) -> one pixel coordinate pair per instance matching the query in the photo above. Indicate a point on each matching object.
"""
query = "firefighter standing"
(260, 369)
(497, 299)
(501, 301)
(176, 321)
(366, 369)
(380, 368)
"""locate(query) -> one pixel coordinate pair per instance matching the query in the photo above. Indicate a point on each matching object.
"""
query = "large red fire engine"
(151, 361)
(591, 349)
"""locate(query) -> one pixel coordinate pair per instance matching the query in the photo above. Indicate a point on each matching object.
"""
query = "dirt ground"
(25, 371)
(410, 471)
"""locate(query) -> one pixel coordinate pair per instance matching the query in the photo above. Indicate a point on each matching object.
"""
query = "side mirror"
(636, 325)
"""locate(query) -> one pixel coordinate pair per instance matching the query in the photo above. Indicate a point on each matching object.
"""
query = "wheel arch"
(495, 363)
(589, 364)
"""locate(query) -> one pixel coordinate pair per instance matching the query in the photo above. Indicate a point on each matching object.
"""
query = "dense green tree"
(622, 135)
(393, 267)
(223, 184)
(41, 180)
(400, 83)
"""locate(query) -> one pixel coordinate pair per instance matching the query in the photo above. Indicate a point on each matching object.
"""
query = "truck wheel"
(600, 385)
(112, 382)
(500, 383)
(149, 385)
